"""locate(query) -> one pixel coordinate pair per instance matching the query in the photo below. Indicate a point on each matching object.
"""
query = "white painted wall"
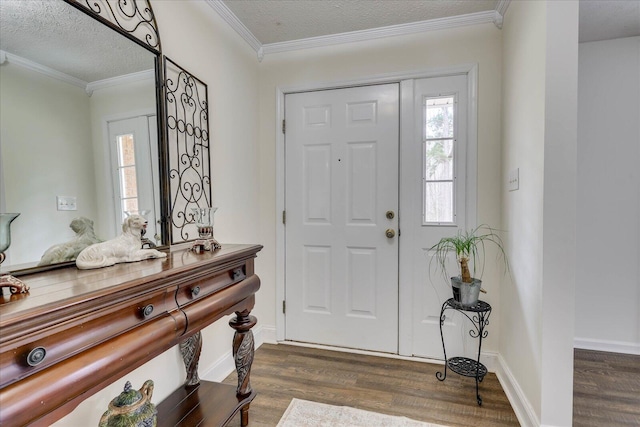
(44, 134)
(608, 219)
(194, 36)
(559, 235)
(479, 44)
(523, 148)
(539, 137)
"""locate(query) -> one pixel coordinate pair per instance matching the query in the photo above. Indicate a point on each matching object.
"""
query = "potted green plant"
(469, 248)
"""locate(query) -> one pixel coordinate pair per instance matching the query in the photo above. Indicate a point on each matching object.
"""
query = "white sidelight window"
(439, 170)
(126, 168)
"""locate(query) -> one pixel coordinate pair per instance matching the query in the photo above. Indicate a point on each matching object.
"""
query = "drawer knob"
(36, 356)
(195, 291)
(147, 310)
(237, 273)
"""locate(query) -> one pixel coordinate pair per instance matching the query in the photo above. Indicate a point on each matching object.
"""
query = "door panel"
(341, 160)
(317, 183)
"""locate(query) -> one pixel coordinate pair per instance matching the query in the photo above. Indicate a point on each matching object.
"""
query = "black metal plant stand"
(464, 365)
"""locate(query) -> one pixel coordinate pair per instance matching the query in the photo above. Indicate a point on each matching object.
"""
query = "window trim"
(456, 157)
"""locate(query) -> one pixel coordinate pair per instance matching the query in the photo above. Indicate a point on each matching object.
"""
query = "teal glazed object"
(132, 408)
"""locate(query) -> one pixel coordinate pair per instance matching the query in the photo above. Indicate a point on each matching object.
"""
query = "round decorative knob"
(390, 233)
(36, 356)
(147, 310)
(195, 291)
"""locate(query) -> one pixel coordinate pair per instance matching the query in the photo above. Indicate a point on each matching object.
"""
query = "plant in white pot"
(469, 247)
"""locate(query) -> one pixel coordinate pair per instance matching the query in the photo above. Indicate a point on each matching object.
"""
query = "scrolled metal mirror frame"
(187, 125)
(127, 17)
(183, 135)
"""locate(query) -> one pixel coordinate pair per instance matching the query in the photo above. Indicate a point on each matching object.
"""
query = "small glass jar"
(204, 221)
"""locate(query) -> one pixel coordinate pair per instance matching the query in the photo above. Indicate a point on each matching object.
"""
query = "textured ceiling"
(47, 31)
(273, 21)
(604, 20)
(58, 36)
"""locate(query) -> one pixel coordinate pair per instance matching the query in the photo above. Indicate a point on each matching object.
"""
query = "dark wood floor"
(379, 384)
(606, 389)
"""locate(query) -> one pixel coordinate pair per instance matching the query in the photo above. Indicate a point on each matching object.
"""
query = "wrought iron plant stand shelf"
(463, 365)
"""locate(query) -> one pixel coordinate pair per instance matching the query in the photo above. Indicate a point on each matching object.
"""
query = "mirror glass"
(79, 133)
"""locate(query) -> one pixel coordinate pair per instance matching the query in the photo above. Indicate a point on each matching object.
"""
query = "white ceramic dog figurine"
(68, 251)
(125, 248)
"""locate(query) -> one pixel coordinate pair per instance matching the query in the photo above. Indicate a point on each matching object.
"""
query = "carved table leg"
(243, 349)
(190, 350)
(244, 415)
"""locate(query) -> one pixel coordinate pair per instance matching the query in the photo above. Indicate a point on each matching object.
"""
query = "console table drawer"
(208, 284)
(28, 354)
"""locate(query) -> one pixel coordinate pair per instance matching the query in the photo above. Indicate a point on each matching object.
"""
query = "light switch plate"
(514, 179)
(66, 203)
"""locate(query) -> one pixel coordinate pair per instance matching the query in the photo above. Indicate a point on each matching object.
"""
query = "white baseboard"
(220, 369)
(267, 334)
(608, 346)
(490, 360)
(519, 402)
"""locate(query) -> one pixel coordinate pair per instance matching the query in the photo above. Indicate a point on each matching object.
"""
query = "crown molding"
(502, 6)
(231, 19)
(497, 19)
(89, 88)
(501, 9)
(120, 80)
(39, 68)
(382, 32)
(490, 16)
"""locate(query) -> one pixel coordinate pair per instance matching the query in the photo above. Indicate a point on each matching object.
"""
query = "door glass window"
(439, 162)
(127, 174)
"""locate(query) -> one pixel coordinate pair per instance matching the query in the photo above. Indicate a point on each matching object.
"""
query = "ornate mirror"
(81, 121)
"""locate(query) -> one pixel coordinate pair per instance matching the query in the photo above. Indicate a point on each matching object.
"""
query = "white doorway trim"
(406, 130)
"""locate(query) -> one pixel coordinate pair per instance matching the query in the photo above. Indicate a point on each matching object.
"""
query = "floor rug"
(303, 413)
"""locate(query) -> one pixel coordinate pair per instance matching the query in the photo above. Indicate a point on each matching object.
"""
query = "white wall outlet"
(514, 179)
(67, 203)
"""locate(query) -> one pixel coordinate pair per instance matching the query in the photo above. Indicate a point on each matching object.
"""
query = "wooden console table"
(78, 330)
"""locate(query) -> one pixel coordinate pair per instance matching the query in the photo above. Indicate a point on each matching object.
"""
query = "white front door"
(341, 166)
(436, 201)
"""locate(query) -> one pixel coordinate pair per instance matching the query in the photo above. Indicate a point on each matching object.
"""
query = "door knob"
(390, 233)
(390, 214)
